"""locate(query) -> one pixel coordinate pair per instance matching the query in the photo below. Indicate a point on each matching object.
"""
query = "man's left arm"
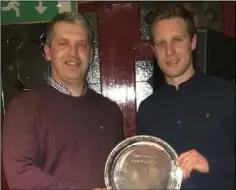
(221, 169)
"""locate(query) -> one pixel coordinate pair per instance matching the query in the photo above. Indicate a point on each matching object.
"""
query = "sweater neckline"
(67, 96)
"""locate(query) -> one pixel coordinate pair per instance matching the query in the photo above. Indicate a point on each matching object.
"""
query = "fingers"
(186, 163)
(192, 160)
(188, 167)
(183, 155)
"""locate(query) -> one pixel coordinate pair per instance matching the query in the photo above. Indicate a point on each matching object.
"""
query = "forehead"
(168, 27)
(68, 30)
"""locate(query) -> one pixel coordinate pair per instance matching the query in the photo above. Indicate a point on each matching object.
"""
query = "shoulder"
(155, 98)
(220, 86)
(217, 91)
(149, 100)
(30, 98)
(151, 103)
(218, 82)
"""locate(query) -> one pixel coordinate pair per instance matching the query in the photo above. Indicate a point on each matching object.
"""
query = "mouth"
(72, 63)
(172, 62)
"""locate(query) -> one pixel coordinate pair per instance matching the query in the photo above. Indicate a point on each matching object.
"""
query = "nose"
(169, 49)
(73, 50)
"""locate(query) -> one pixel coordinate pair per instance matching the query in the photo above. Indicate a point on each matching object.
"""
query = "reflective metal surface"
(142, 162)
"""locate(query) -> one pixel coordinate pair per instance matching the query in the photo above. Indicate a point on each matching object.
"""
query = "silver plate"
(142, 162)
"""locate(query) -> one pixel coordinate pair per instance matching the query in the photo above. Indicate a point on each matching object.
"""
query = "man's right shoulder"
(151, 101)
(28, 98)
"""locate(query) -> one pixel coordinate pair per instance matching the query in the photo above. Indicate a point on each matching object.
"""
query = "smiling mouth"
(72, 63)
(172, 62)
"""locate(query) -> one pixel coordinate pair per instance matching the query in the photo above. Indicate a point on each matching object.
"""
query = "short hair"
(70, 17)
(172, 10)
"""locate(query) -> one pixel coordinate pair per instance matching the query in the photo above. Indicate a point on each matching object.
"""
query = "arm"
(22, 162)
(141, 128)
(223, 168)
(221, 161)
(232, 119)
(119, 122)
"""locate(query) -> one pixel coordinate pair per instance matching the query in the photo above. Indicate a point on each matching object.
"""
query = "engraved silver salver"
(142, 162)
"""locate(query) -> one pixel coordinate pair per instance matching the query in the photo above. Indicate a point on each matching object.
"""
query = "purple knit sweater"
(56, 141)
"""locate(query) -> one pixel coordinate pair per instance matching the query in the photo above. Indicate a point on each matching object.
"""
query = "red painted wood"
(228, 18)
(118, 28)
(84, 6)
(119, 47)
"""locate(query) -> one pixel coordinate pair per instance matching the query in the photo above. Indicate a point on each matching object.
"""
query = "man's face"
(70, 52)
(172, 47)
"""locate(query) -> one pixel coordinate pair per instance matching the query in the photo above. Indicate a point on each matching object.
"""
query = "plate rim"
(133, 140)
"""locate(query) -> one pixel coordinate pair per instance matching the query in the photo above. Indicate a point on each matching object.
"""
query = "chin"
(73, 78)
(175, 72)
(172, 73)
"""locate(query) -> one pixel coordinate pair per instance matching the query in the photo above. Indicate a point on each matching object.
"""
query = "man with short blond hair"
(193, 112)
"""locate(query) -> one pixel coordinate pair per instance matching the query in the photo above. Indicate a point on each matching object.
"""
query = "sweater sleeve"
(22, 163)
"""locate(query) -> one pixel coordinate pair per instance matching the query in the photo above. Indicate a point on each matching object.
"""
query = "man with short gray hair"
(59, 135)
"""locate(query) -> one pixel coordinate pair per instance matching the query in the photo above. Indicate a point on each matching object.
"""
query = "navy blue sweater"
(199, 115)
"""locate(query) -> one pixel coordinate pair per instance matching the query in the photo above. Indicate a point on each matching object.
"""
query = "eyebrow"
(174, 36)
(65, 39)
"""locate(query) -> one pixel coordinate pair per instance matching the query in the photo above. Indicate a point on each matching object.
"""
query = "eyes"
(162, 43)
(79, 45)
(177, 40)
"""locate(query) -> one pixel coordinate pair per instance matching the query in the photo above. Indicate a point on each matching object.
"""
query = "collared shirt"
(61, 87)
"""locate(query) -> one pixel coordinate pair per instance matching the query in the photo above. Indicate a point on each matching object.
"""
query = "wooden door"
(122, 56)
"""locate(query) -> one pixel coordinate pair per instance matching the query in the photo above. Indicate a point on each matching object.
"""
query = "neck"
(77, 89)
(176, 81)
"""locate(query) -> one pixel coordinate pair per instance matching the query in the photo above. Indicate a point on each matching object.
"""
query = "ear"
(47, 52)
(194, 42)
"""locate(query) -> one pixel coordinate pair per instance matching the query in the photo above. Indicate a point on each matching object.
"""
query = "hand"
(99, 189)
(193, 160)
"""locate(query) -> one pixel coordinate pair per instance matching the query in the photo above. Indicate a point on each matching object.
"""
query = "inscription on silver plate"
(139, 166)
(139, 163)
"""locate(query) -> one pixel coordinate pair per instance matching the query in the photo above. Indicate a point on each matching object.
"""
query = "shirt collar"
(61, 87)
(192, 80)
